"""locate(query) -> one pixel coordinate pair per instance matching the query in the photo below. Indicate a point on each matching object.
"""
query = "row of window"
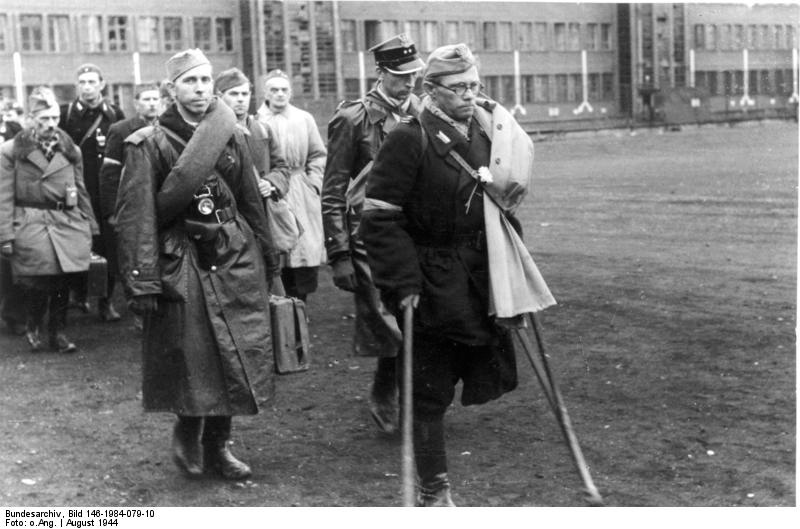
(731, 82)
(116, 33)
(740, 36)
(486, 36)
(534, 89)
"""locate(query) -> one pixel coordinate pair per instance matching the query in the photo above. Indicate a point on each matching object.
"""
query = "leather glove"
(144, 304)
(7, 248)
(344, 276)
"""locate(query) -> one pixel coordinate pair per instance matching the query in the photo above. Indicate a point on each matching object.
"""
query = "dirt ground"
(673, 260)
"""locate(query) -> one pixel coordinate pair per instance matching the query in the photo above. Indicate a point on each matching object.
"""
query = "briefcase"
(289, 334)
(97, 283)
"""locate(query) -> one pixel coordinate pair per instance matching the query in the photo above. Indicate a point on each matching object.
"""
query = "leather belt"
(475, 240)
(59, 205)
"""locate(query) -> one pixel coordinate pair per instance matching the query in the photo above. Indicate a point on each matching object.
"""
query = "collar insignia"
(443, 137)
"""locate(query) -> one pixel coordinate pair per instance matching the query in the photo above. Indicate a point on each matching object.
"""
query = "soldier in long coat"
(193, 244)
(46, 218)
(423, 227)
(355, 134)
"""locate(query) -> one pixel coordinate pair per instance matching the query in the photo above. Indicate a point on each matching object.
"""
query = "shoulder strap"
(463, 163)
(91, 129)
(172, 135)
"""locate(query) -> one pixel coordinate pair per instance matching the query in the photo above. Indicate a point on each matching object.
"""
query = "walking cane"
(542, 369)
(407, 426)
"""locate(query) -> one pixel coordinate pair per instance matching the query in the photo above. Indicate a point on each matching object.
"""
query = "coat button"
(135, 273)
(499, 126)
(213, 268)
(497, 161)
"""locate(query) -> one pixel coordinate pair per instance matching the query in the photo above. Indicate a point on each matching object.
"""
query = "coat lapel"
(58, 162)
(36, 157)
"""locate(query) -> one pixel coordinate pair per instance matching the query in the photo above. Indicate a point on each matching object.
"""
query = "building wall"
(53, 61)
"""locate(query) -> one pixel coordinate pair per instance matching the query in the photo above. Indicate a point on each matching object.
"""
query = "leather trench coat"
(47, 241)
(207, 349)
(355, 133)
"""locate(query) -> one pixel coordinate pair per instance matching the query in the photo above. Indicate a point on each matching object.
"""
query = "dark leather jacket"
(355, 133)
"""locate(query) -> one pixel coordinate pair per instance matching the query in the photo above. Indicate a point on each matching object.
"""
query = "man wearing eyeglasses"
(423, 227)
(355, 133)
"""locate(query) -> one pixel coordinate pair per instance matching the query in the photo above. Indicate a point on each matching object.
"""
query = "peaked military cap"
(89, 67)
(398, 55)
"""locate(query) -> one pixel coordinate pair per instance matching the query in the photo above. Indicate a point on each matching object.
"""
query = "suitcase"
(290, 341)
(97, 282)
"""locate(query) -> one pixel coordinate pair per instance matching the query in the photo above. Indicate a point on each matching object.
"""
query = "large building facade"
(554, 63)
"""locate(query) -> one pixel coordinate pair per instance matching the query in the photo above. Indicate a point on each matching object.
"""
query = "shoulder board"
(409, 119)
(140, 135)
(348, 103)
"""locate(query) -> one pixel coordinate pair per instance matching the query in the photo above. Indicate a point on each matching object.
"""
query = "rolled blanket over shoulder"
(511, 156)
(196, 162)
(515, 284)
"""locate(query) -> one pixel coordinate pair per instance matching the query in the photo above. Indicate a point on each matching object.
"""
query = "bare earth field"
(673, 259)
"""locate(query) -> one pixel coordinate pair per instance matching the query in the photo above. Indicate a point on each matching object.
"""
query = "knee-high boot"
(431, 461)
(186, 451)
(216, 454)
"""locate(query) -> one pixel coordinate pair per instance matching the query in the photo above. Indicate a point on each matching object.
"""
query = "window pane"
(766, 82)
(606, 37)
(738, 37)
(504, 40)
(608, 87)
(202, 33)
(413, 30)
(699, 37)
(431, 40)
(91, 35)
(117, 33)
(490, 36)
(470, 34)
(594, 87)
(58, 30)
(779, 40)
(540, 36)
(574, 88)
(592, 35)
(147, 34)
(559, 39)
(711, 37)
(5, 36)
(525, 36)
(173, 34)
(30, 27)
(224, 34)
(724, 36)
(561, 88)
(451, 32)
(574, 36)
(348, 28)
(752, 36)
(507, 89)
(541, 91)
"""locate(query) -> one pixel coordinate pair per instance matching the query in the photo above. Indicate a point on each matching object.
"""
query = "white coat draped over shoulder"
(305, 153)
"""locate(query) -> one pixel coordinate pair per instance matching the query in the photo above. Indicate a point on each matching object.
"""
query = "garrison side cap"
(398, 55)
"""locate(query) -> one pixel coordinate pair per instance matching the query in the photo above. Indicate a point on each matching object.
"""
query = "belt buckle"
(60, 206)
